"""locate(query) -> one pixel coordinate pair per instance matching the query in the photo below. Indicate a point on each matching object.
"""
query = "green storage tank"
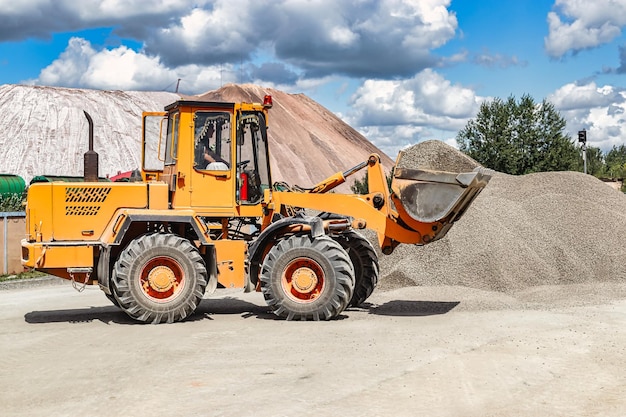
(11, 185)
(62, 178)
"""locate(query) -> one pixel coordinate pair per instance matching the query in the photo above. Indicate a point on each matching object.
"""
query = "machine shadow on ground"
(231, 305)
(210, 308)
(412, 308)
(111, 314)
(106, 315)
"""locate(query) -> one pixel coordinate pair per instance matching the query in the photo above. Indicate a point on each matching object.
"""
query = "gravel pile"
(435, 155)
(521, 231)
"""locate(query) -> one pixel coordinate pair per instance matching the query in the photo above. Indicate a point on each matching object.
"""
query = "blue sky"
(399, 71)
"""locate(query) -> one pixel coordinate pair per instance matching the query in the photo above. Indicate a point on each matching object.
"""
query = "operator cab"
(213, 155)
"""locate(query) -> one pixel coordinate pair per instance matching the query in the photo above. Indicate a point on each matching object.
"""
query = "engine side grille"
(79, 201)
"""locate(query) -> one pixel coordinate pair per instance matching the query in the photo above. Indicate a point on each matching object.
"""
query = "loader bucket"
(436, 196)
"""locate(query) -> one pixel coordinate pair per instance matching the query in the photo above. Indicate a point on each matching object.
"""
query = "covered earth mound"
(521, 231)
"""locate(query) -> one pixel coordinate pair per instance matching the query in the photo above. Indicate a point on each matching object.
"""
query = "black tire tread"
(365, 262)
(171, 245)
(343, 274)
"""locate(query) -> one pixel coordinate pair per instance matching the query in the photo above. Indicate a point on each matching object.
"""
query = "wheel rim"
(303, 280)
(162, 279)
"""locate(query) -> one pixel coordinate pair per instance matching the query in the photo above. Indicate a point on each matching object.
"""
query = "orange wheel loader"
(206, 215)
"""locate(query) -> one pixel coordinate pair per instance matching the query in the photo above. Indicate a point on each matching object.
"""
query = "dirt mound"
(522, 231)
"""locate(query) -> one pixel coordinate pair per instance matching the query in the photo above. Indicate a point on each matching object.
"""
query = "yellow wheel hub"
(304, 279)
(161, 279)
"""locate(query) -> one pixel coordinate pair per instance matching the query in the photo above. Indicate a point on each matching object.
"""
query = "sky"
(398, 71)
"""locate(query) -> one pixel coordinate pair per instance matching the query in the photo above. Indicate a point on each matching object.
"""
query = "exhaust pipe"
(90, 167)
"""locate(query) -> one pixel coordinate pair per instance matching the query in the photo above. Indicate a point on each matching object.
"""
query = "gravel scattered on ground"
(31, 282)
(521, 231)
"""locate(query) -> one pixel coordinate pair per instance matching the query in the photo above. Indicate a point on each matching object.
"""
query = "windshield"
(253, 159)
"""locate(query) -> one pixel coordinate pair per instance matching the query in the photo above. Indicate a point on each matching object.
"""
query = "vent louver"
(84, 201)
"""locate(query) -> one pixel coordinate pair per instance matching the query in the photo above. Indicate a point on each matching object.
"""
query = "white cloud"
(343, 36)
(583, 24)
(392, 139)
(96, 9)
(364, 38)
(17, 8)
(437, 26)
(599, 110)
(123, 9)
(573, 96)
(493, 60)
(68, 69)
(401, 112)
(204, 35)
(38, 18)
(80, 65)
(423, 99)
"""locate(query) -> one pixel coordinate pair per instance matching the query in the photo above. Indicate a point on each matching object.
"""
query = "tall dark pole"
(585, 158)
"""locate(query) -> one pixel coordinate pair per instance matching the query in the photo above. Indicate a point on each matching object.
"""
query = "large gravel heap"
(521, 231)
(435, 155)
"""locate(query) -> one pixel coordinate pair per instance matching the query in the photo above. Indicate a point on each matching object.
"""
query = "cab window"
(253, 163)
(212, 141)
(154, 129)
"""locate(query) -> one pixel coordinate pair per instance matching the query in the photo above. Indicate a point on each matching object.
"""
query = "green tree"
(519, 137)
(616, 162)
(595, 162)
(360, 186)
(12, 202)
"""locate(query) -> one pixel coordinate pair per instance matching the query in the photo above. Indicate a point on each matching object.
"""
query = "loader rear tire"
(111, 297)
(159, 278)
(306, 278)
(365, 263)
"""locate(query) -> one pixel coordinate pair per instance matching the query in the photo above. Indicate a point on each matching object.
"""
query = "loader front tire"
(159, 278)
(306, 278)
(365, 263)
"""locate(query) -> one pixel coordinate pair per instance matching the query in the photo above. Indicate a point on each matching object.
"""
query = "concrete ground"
(437, 351)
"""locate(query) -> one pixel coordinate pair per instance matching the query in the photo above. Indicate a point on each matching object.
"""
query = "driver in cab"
(213, 160)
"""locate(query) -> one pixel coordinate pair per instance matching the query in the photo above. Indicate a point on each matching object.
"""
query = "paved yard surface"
(436, 351)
